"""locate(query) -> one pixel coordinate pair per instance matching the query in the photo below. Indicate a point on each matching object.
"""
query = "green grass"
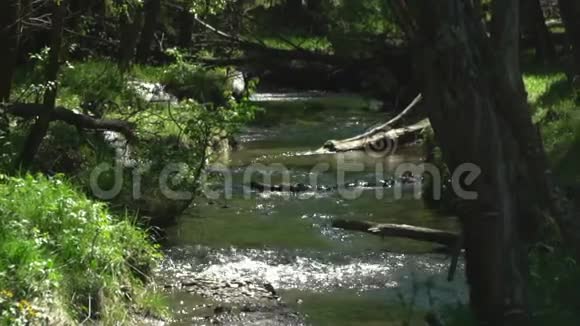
(555, 275)
(151, 74)
(555, 105)
(63, 255)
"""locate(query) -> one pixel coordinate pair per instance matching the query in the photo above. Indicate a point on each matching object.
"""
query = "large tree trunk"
(534, 23)
(9, 41)
(570, 11)
(130, 26)
(473, 79)
(152, 10)
(40, 128)
(185, 28)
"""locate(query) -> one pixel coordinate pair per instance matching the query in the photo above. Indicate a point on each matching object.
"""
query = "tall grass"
(64, 257)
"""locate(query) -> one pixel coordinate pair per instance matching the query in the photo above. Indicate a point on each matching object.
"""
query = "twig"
(89, 313)
(217, 31)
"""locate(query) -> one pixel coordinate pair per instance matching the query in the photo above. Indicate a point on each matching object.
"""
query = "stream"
(283, 242)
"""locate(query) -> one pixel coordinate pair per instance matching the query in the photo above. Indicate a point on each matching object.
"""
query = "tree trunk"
(534, 22)
(40, 128)
(293, 12)
(570, 11)
(9, 40)
(473, 79)
(152, 10)
(130, 26)
(26, 41)
(185, 29)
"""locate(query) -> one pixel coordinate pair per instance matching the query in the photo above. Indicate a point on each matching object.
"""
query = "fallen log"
(31, 111)
(375, 137)
(446, 238)
(394, 120)
(376, 140)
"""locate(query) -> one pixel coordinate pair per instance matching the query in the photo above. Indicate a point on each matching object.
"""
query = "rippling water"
(334, 276)
(313, 271)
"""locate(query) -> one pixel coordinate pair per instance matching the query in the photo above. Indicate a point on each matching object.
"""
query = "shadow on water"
(334, 277)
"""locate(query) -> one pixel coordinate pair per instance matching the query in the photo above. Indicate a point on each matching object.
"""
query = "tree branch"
(31, 111)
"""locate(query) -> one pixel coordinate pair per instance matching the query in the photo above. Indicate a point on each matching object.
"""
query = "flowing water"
(333, 277)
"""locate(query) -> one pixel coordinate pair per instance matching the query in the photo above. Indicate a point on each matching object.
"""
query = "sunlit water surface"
(335, 277)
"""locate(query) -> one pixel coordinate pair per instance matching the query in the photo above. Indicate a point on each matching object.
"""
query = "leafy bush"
(187, 80)
(63, 254)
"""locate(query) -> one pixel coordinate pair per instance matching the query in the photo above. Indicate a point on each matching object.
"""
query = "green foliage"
(7, 150)
(121, 7)
(343, 27)
(356, 17)
(190, 134)
(291, 42)
(555, 105)
(188, 80)
(555, 278)
(31, 84)
(92, 84)
(59, 249)
(555, 110)
(202, 7)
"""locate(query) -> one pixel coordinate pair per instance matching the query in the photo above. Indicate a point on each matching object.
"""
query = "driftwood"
(30, 111)
(385, 132)
(399, 136)
(446, 238)
(394, 120)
